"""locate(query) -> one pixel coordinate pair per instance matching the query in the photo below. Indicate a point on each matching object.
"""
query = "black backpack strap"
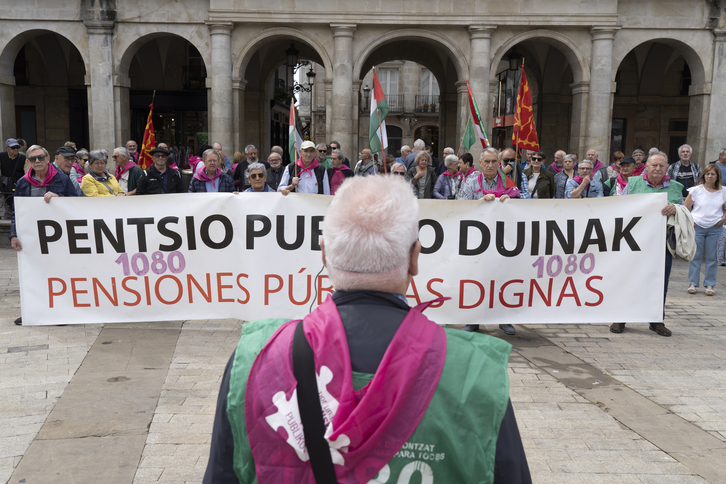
(320, 176)
(311, 413)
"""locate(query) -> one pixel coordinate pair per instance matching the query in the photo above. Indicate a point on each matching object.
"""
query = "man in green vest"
(654, 180)
(401, 396)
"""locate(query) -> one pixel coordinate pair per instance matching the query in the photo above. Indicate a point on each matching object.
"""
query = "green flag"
(470, 136)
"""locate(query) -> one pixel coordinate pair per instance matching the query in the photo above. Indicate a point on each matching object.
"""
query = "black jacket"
(545, 185)
(151, 182)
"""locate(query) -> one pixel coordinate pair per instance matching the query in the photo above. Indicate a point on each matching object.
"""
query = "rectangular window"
(389, 80)
(429, 85)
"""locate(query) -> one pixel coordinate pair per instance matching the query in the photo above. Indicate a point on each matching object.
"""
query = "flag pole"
(380, 129)
(294, 132)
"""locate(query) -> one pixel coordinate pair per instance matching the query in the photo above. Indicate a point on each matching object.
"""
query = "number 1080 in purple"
(554, 265)
(140, 264)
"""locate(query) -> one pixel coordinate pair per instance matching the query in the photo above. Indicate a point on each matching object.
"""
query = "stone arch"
(11, 49)
(577, 60)
(457, 57)
(129, 46)
(241, 61)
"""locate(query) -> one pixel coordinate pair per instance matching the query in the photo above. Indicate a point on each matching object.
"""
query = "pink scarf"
(639, 170)
(202, 175)
(310, 168)
(621, 182)
(48, 177)
(79, 172)
(456, 175)
(665, 179)
(365, 428)
(555, 168)
(120, 171)
(598, 165)
(511, 191)
(577, 179)
(471, 170)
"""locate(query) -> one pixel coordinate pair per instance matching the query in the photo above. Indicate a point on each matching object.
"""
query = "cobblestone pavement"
(570, 433)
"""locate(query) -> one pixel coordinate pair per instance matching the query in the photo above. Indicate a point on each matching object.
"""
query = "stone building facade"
(652, 72)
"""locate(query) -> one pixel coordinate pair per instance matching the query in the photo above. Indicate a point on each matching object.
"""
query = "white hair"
(489, 150)
(255, 166)
(249, 147)
(653, 150)
(586, 161)
(369, 230)
(122, 151)
(685, 146)
(209, 152)
(418, 145)
(449, 150)
(38, 147)
(658, 153)
(405, 147)
(450, 160)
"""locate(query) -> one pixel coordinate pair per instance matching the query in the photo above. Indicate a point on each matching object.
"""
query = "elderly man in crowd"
(656, 182)
(338, 172)
(684, 171)
(239, 176)
(305, 175)
(159, 178)
(510, 167)
(211, 179)
(721, 163)
(65, 156)
(418, 145)
(556, 165)
(639, 166)
(132, 148)
(615, 186)
(334, 145)
(226, 165)
(405, 151)
(407, 371)
(366, 165)
(12, 168)
(599, 169)
(321, 154)
(127, 172)
(489, 185)
(448, 184)
(41, 180)
(275, 171)
(583, 185)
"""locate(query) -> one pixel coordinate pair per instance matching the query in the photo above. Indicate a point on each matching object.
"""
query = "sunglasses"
(536, 158)
(14, 147)
(399, 173)
(254, 176)
(509, 160)
(322, 151)
(39, 158)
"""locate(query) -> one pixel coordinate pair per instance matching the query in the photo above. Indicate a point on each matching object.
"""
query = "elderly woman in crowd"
(422, 175)
(398, 168)
(236, 159)
(563, 176)
(582, 186)
(211, 179)
(99, 183)
(257, 175)
(540, 182)
(706, 202)
(447, 185)
(78, 170)
(614, 169)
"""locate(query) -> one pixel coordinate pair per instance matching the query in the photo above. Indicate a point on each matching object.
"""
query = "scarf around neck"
(665, 179)
(310, 168)
(555, 168)
(621, 182)
(79, 172)
(202, 175)
(510, 189)
(46, 181)
(128, 166)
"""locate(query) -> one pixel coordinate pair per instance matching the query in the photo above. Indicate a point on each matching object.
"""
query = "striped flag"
(470, 137)
(295, 139)
(149, 143)
(379, 111)
(478, 124)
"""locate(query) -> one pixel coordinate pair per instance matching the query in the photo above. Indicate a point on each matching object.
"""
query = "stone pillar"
(343, 114)
(7, 107)
(698, 121)
(101, 113)
(329, 112)
(580, 91)
(122, 109)
(238, 110)
(479, 68)
(716, 139)
(357, 135)
(220, 109)
(599, 104)
(462, 117)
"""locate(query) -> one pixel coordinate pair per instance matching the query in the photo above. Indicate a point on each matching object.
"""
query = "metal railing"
(427, 104)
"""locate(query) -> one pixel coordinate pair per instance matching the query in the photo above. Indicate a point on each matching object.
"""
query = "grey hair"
(450, 160)
(82, 153)
(210, 151)
(449, 150)
(419, 155)
(38, 147)
(418, 145)
(249, 147)
(317, 147)
(654, 150)
(396, 165)
(572, 157)
(277, 149)
(659, 153)
(489, 150)
(405, 147)
(255, 166)
(586, 161)
(340, 153)
(685, 146)
(638, 151)
(720, 153)
(121, 151)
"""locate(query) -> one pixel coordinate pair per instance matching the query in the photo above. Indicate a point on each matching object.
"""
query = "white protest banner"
(250, 256)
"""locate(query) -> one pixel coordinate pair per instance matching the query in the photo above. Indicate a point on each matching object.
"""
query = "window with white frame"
(429, 85)
(389, 81)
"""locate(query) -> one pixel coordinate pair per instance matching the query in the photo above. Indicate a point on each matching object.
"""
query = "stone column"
(122, 109)
(220, 109)
(479, 68)
(698, 121)
(329, 112)
(238, 109)
(716, 139)
(462, 116)
(101, 115)
(580, 91)
(7, 107)
(599, 104)
(343, 114)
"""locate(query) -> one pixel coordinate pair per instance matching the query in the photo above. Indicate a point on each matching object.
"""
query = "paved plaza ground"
(134, 403)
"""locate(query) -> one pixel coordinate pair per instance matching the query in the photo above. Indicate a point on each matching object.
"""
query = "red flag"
(525, 133)
(478, 123)
(149, 143)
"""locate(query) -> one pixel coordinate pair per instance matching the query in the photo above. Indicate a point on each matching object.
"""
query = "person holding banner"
(583, 186)
(99, 183)
(447, 185)
(422, 175)
(306, 175)
(212, 179)
(491, 183)
(365, 377)
(654, 180)
(159, 178)
(257, 175)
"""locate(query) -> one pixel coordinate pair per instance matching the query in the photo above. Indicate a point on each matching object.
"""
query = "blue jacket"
(60, 184)
(226, 185)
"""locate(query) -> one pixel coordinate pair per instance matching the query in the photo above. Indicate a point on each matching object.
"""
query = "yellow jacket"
(94, 188)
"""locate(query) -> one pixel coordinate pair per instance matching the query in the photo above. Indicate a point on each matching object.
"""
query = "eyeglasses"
(508, 160)
(535, 158)
(584, 168)
(85, 160)
(98, 163)
(322, 151)
(159, 155)
(399, 173)
(14, 147)
(254, 176)
(39, 158)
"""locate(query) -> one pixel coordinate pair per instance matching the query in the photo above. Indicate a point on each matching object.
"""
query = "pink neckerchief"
(120, 171)
(202, 175)
(597, 166)
(453, 175)
(639, 170)
(665, 179)
(577, 179)
(511, 191)
(621, 182)
(79, 171)
(340, 168)
(365, 428)
(472, 169)
(48, 177)
(310, 168)
(555, 168)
